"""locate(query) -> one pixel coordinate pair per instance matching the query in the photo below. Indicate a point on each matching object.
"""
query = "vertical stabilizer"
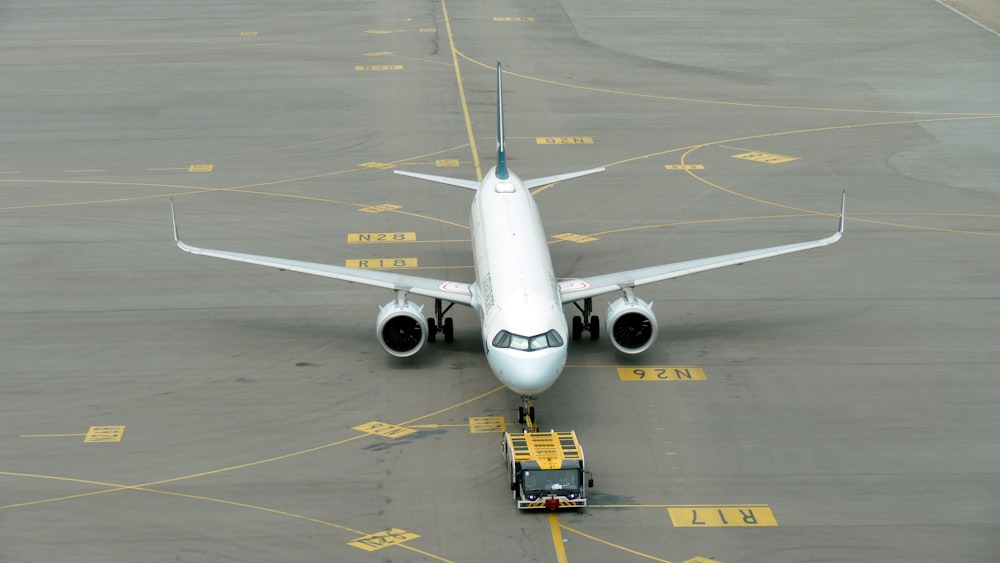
(501, 169)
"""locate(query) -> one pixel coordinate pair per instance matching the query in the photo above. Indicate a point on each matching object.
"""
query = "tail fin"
(501, 171)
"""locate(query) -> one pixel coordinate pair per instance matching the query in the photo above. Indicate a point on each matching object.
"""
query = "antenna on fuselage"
(501, 169)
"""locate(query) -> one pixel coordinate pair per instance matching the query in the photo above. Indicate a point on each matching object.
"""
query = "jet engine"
(401, 327)
(631, 324)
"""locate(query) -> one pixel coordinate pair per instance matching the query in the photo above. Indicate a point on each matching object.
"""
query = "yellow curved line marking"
(117, 487)
(614, 545)
(716, 102)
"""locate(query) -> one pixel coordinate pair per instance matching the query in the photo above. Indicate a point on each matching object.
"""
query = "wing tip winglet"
(843, 207)
(173, 217)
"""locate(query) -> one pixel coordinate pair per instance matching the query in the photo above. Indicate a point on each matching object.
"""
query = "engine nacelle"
(401, 327)
(631, 324)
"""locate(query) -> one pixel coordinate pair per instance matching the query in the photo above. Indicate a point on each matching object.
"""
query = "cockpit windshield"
(552, 480)
(505, 339)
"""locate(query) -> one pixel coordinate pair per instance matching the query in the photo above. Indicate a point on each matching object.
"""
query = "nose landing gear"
(526, 414)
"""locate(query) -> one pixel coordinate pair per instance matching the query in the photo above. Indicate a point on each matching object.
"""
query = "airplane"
(515, 293)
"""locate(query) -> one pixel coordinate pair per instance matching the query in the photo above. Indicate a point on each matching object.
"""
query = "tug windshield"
(552, 480)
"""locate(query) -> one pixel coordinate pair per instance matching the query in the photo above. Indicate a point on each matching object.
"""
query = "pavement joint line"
(114, 487)
(720, 102)
(688, 149)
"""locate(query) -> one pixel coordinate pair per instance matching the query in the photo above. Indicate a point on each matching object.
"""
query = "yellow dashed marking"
(384, 31)
(377, 165)
(765, 157)
(381, 263)
(248, 34)
(84, 170)
(355, 238)
(662, 373)
(572, 237)
(98, 434)
(487, 424)
(201, 168)
(379, 53)
(564, 140)
(380, 208)
(684, 167)
(428, 30)
(378, 67)
(702, 560)
(384, 429)
(748, 515)
(446, 162)
(379, 540)
(513, 18)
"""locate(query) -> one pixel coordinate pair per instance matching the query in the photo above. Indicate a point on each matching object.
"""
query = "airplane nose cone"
(528, 373)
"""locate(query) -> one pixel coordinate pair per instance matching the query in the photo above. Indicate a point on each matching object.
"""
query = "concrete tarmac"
(158, 406)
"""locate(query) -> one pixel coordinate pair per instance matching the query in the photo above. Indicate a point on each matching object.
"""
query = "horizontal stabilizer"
(459, 182)
(559, 177)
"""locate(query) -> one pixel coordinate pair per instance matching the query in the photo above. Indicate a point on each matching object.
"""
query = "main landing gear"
(588, 322)
(526, 414)
(440, 324)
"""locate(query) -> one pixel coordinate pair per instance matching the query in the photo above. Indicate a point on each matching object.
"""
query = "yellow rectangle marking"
(378, 540)
(750, 515)
(571, 237)
(384, 429)
(765, 157)
(380, 208)
(248, 34)
(201, 168)
(382, 263)
(446, 162)
(378, 165)
(487, 424)
(662, 373)
(98, 434)
(684, 166)
(378, 67)
(355, 238)
(513, 18)
(564, 140)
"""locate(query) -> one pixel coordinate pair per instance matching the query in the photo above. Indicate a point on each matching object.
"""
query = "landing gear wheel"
(577, 327)
(595, 328)
(526, 415)
(431, 330)
(449, 330)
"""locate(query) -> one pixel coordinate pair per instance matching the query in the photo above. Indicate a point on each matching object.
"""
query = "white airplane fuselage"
(516, 286)
(515, 293)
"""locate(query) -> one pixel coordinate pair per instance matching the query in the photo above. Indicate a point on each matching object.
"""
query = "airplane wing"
(455, 292)
(582, 288)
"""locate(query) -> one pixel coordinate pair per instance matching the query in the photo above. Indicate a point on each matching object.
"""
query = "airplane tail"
(500, 170)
